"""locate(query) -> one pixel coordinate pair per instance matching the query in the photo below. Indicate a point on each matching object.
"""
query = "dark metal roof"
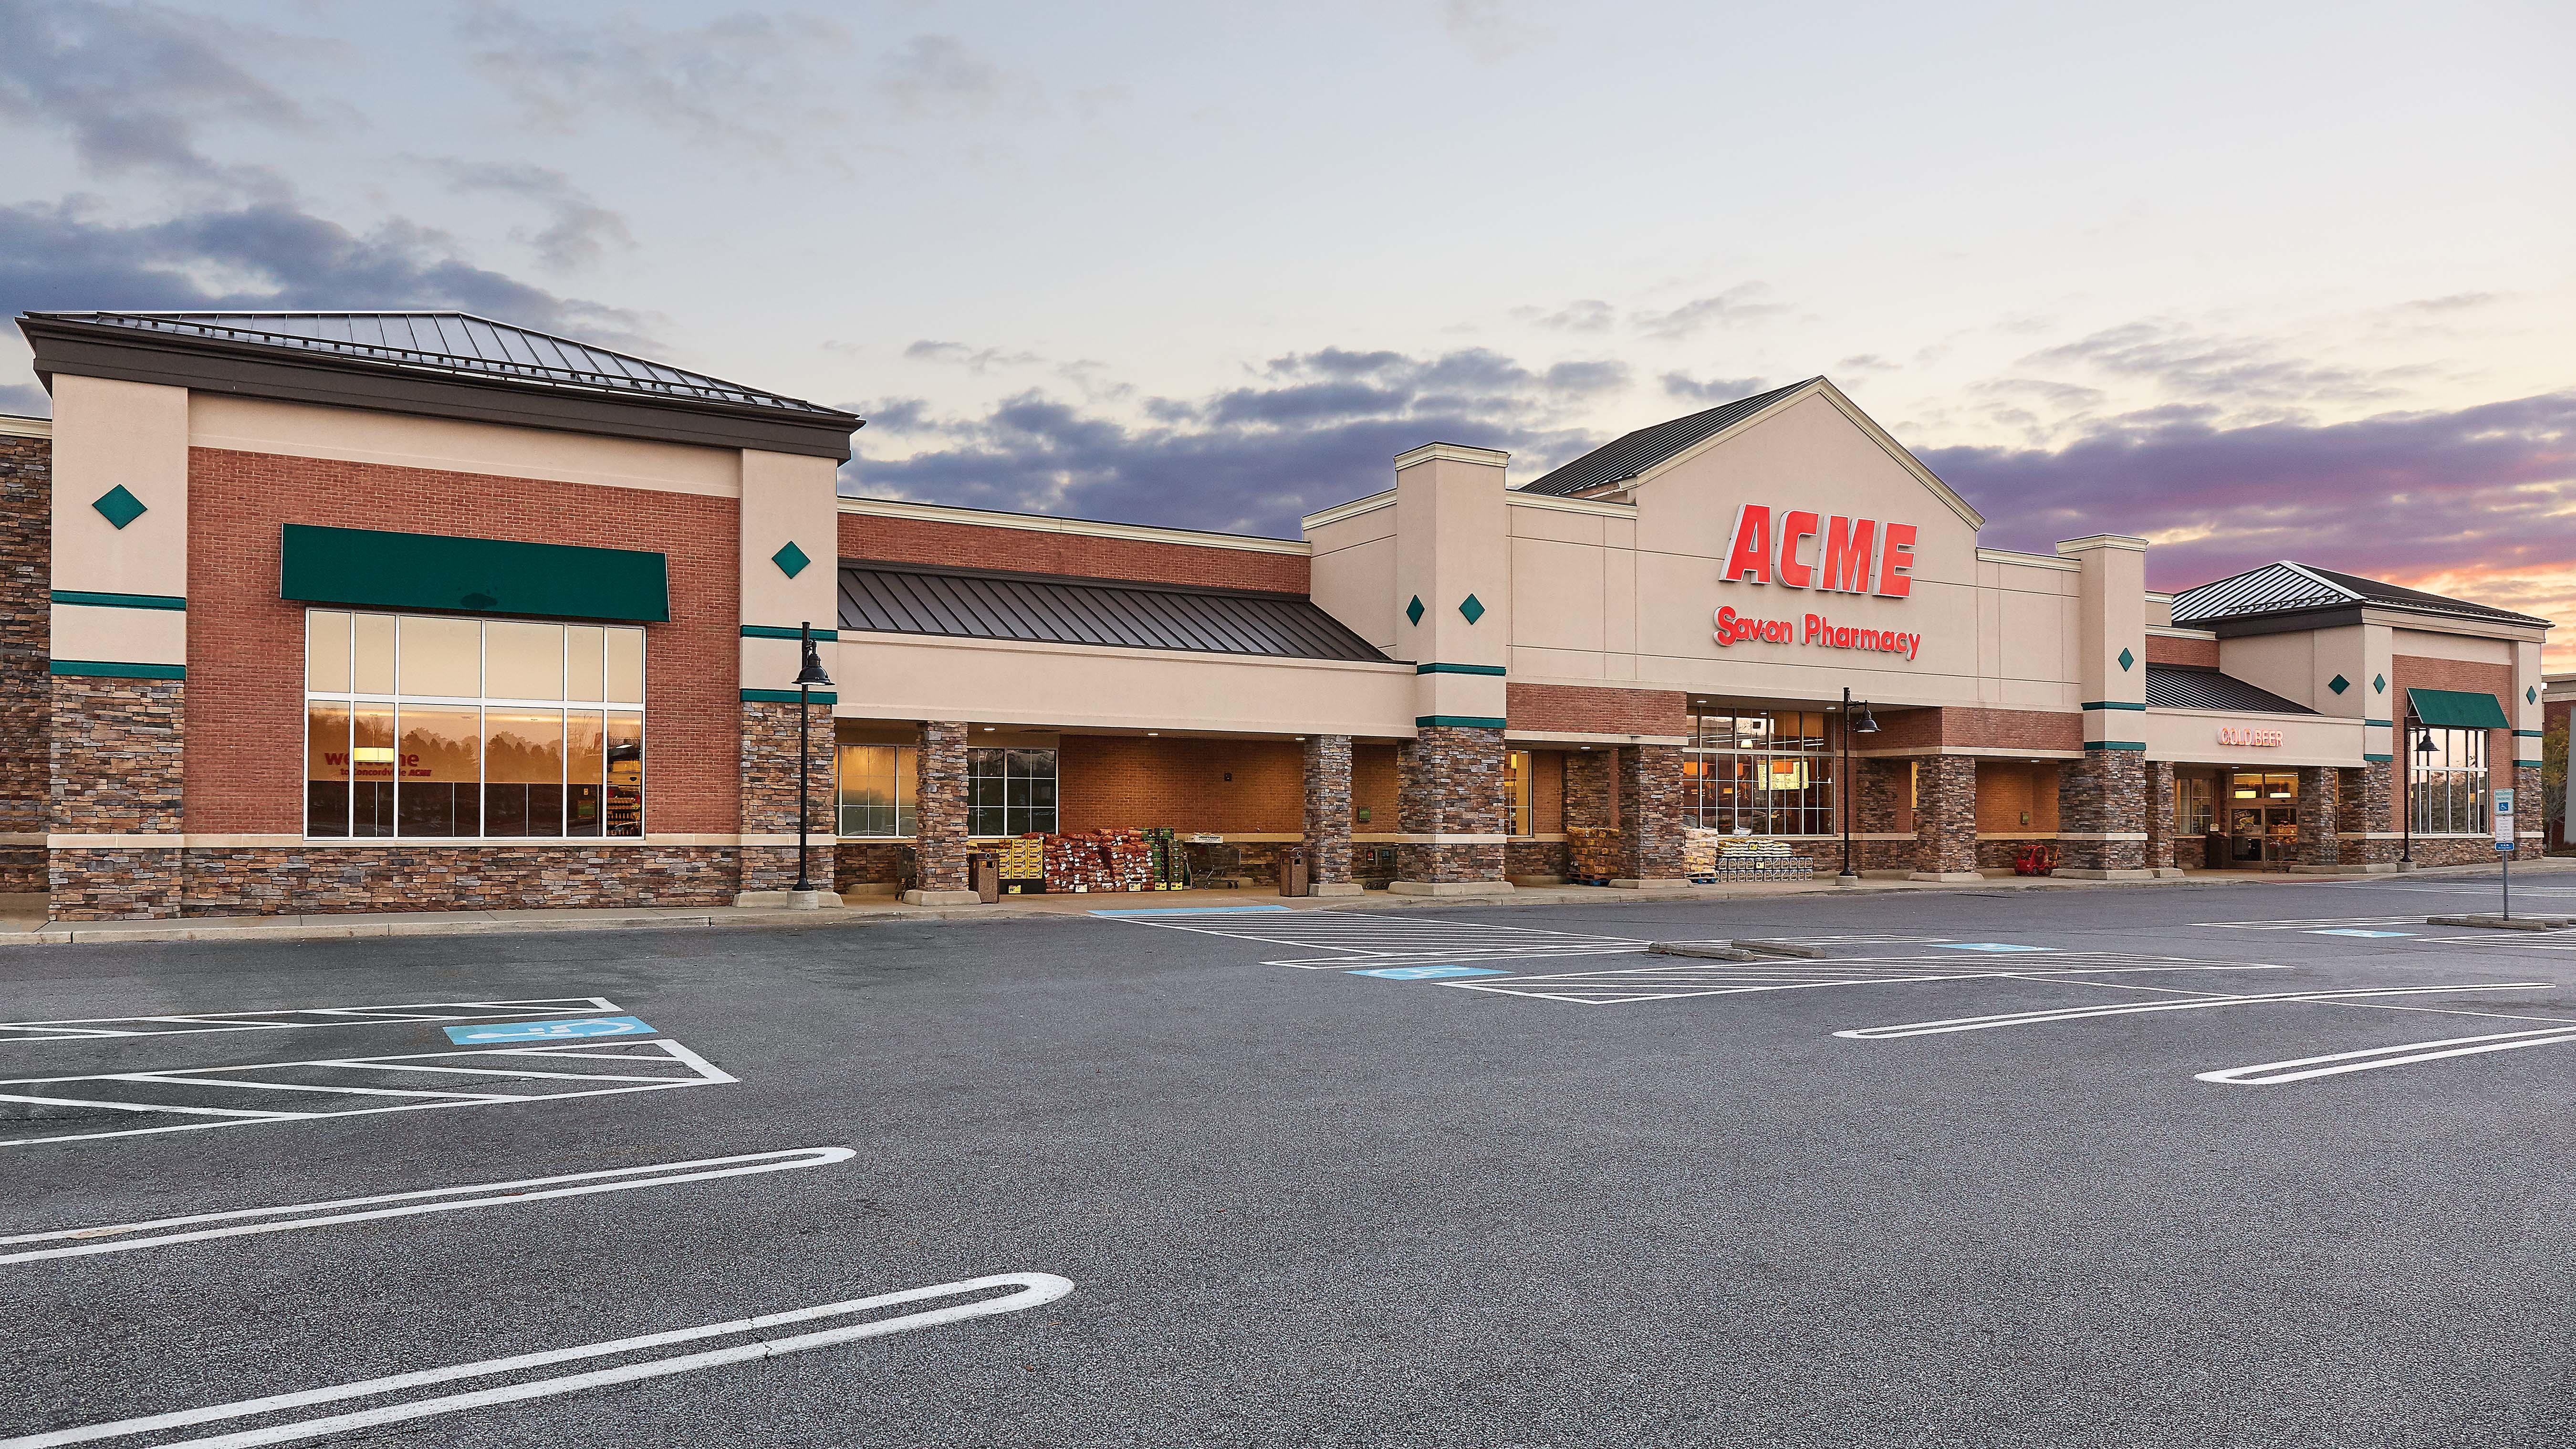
(2286, 588)
(888, 598)
(2174, 687)
(455, 343)
(1626, 457)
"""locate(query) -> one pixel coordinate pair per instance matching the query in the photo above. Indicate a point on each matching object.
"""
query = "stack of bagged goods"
(1171, 870)
(1750, 858)
(1099, 860)
(1023, 864)
(1130, 858)
(1593, 851)
(1699, 852)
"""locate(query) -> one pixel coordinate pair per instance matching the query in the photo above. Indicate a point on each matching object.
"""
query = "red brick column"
(2316, 812)
(1328, 814)
(1452, 785)
(769, 786)
(939, 812)
(2160, 815)
(117, 770)
(2101, 815)
(1650, 814)
(1945, 818)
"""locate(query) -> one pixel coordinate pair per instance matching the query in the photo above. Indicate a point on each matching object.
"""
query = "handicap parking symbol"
(1426, 973)
(548, 1030)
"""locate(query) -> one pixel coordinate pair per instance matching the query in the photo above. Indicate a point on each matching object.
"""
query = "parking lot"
(2247, 1165)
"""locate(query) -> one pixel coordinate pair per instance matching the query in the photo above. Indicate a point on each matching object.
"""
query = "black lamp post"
(2423, 738)
(1865, 725)
(806, 678)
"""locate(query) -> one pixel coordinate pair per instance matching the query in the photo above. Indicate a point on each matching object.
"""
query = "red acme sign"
(1803, 550)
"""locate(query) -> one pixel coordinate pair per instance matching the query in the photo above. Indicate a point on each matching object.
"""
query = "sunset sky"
(2290, 281)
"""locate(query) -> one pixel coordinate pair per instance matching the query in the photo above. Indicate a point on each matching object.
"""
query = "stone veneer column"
(1650, 816)
(117, 753)
(1328, 816)
(1882, 792)
(769, 787)
(2101, 816)
(2316, 814)
(2527, 817)
(2160, 817)
(939, 817)
(26, 628)
(1945, 818)
(1452, 785)
(2364, 813)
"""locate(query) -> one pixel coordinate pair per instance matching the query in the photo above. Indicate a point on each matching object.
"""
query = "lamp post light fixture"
(2423, 738)
(807, 677)
(1865, 725)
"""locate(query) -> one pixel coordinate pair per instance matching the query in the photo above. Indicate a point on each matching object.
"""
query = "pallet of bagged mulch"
(1099, 860)
(1592, 854)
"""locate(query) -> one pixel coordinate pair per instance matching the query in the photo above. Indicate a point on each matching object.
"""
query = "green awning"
(370, 569)
(2456, 709)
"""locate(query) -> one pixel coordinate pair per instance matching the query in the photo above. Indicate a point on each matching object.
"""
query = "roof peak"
(1632, 453)
(2287, 586)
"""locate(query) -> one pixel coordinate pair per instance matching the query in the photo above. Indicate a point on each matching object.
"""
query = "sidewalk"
(22, 919)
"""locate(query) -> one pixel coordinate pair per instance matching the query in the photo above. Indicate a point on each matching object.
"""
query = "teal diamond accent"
(1413, 611)
(2338, 684)
(118, 506)
(2127, 659)
(791, 560)
(2530, 695)
(2379, 684)
(1473, 608)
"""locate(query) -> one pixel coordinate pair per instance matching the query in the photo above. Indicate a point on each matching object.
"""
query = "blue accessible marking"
(2373, 935)
(1426, 973)
(1193, 911)
(1987, 946)
(548, 1030)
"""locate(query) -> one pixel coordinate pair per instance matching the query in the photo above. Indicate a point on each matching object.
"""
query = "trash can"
(984, 876)
(1292, 873)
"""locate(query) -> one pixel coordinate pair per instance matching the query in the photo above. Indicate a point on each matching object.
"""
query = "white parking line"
(647, 1066)
(1033, 1290)
(1618, 986)
(428, 1200)
(2371, 1059)
(290, 1018)
(2140, 1008)
(1364, 939)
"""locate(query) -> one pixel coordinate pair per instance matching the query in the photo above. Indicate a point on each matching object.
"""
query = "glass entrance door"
(2262, 818)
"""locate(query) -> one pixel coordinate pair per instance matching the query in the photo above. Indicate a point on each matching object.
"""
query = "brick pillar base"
(117, 752)
(1452, 785)
(2160, 817)
(939, 816)
(2316, 814)
(1650, 814)
(2365, 815)
(1945, 818)
(2101, 816)
(1328, 815)
(767, 860)
(2527, 811)
(1883, 784)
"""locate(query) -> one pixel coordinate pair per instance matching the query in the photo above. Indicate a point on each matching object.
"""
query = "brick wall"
(967, 545)
(2190, 653)
(1582, 709)
(1118, 782)
(117, 747)
(246, 647)
(1992, 729)
(26, 586)
(2008, 792)
(1326, 768)
(2414, 671)
(1376, 775)
(2105, 793)
(317, 880)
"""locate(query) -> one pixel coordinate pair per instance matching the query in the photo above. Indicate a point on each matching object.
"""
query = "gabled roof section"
(1637, 457)
(2293, 588)
(888, 598)
(2175, 687)
(427, 362)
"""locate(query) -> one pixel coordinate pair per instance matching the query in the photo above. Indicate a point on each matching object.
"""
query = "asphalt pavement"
(2247, 1165)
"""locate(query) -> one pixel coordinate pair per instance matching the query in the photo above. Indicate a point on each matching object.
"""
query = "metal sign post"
(2504, 844)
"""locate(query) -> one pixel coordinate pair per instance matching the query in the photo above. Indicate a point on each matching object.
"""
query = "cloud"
(1488, 30)
(1865, 363)
(2236, 369)
(936, 75)
(1737, 306)
(973, 359)
(132, 85)
(578, 232)
(268, 255)
(25, 399)
(1588, 315)
(740, 80)
(1713, 391)
(2485, 493)
(1308, 431)
(2456, 302)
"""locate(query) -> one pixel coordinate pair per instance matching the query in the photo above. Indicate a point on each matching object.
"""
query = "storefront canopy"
(2454, 709)
(370, 569)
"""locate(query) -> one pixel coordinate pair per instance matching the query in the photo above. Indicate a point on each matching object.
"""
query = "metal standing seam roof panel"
(1633, 453)
(2285, 587)
(2170, 687)
(1036, 608)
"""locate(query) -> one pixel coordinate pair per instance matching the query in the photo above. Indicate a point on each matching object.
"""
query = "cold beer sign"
(1829, 554)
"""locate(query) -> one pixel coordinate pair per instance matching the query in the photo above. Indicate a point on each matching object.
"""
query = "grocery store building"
(419, 611)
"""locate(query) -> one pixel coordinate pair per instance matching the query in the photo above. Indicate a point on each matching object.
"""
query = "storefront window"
(877, 786)
(2449, 790)
(1764, 773)
(1516, 791)
(1010, 792)
(446, 728)
(2192, 805)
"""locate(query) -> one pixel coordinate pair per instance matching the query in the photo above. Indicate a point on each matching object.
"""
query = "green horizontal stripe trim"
(2115, 744)
(120, 601)
(787, 696)
(773, 631)
(2526, 734)
(2376, 759)
(105, 669)
(2382, 723)
(2113, 704)
(1456, 722)
(2526, 764)
(1493, 669)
